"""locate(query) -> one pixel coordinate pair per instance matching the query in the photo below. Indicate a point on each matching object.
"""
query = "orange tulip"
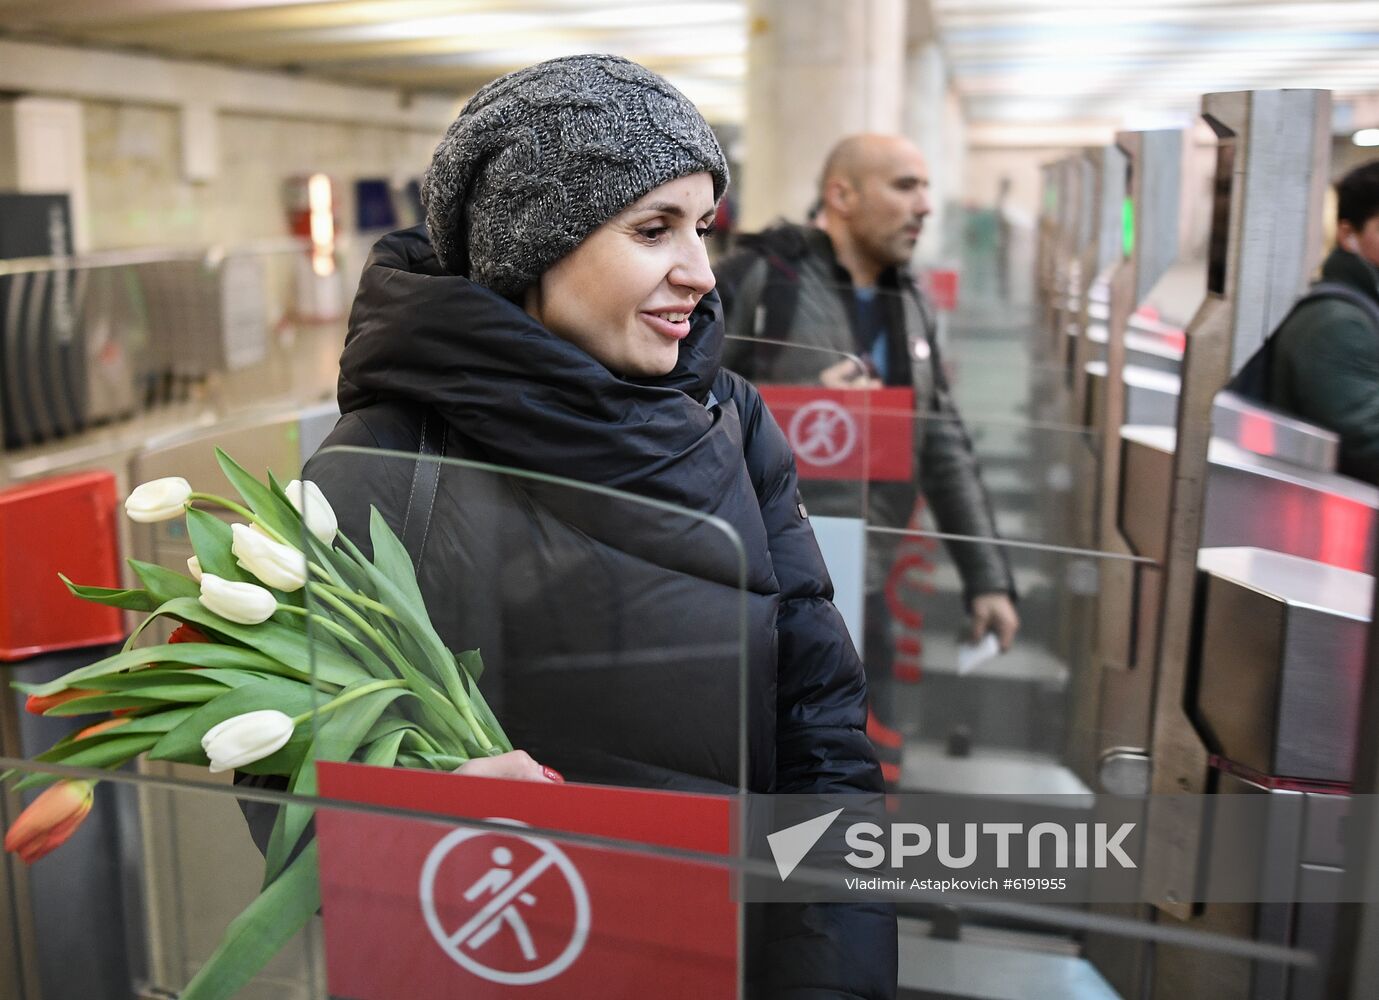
(37, 705)
(49, 820)
(100, 727)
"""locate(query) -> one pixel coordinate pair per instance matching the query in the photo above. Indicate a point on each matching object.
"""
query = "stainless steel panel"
(1273, 434)
(1323, 840)
(1146, 350)
(1156, 209)
(1250, 500)
(1281, 661)
(1273, 147)
(1316, 926)
(1151, 397)
(1110, 163)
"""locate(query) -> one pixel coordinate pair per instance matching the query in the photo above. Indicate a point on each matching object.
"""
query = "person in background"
(843, 284)
(1324, 358)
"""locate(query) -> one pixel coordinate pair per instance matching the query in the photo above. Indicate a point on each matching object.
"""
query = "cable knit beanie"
(540, 158)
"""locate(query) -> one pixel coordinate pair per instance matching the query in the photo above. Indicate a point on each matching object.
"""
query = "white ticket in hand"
(971, 654)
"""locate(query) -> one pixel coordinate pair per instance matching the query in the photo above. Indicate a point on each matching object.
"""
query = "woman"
(556, 314)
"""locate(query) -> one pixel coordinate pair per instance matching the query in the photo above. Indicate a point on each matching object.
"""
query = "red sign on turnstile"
(846, 433)
(65, 524)
(415, 909)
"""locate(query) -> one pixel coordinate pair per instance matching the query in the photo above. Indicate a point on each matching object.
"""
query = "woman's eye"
(653, 233)
(705, 231)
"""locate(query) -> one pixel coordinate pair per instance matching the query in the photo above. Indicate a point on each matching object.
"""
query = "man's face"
(1363, 241)
(889, 202)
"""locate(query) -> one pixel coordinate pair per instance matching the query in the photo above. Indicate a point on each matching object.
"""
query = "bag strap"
(1346, 293)
(416, 525)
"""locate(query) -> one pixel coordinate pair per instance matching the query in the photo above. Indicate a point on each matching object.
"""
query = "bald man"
(842, 286)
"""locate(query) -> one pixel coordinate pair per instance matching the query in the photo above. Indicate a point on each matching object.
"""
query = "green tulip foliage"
(351, 657)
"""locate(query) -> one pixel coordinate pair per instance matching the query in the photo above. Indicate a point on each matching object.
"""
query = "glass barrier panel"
(98, 353)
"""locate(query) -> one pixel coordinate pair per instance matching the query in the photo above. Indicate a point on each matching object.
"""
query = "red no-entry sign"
(416, 908)
(858, 434)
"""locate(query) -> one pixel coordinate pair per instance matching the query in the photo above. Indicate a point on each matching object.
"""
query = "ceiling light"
(1366, 137)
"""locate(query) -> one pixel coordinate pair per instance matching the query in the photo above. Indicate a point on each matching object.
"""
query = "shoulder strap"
(1254, 381)
(1346, 293)
(416, 525)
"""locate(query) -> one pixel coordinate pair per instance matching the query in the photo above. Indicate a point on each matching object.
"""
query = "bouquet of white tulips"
(292, 647)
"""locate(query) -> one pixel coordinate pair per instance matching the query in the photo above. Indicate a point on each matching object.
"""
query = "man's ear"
(839, 195)
(1346, 237)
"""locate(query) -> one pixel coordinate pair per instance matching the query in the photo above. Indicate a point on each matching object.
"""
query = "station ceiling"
(1022, 62)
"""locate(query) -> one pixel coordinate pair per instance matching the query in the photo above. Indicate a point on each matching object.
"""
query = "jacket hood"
(1352, 269)
(526, 398)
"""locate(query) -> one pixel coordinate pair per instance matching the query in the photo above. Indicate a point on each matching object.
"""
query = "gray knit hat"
(541, 157)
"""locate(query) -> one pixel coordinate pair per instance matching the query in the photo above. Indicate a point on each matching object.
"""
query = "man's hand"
(847, 374)
(995, 613)
(516, 765)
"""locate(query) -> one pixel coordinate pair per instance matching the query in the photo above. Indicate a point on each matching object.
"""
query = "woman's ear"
(531, 301)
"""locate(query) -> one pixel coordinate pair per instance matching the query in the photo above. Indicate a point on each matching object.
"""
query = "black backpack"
(1253, 380)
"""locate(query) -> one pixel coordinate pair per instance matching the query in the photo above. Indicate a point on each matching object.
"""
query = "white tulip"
(194, 568)
(315, 509)
(243, 739)
(158, 500)
(274, 563)
(244, 603)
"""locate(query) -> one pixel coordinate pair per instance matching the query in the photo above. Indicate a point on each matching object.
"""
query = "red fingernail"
(552, 774)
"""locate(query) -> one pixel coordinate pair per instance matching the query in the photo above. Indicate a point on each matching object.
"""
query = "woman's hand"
(515, 765)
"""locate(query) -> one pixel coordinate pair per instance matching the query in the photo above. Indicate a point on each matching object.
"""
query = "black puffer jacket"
(609, 628)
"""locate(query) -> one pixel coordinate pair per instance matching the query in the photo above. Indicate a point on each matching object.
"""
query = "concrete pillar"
(817, 70)
(935, 123)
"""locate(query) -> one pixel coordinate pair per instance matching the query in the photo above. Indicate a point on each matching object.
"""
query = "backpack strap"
(416, 524)
(1346, 293)
(1255, 377)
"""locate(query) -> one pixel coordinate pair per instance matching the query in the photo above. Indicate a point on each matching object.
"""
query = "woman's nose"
(692, 270)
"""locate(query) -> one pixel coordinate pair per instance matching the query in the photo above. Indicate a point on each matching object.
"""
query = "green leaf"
(189, 694)
(211, 538)
(473, 666)
(209, 654)
(183, 743)
(383, 752)
(327, 643)
(134, 681)
(336, 740)
(261, 931)
(424, 647)
(278, 514)
(130, 600)
(164, 585)
(391, 558)
(284, 641)
(442, 761)
(110, 751)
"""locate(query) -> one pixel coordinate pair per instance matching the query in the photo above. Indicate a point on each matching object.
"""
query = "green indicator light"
(1127, 227)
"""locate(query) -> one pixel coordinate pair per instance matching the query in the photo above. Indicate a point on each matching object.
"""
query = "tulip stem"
(350, 595)
(243, 511)
(348, 697)
(321, 620)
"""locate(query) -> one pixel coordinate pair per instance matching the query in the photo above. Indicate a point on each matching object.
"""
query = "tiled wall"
(138, 197)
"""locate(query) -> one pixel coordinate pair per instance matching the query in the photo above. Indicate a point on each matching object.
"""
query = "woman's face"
(625, 294)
